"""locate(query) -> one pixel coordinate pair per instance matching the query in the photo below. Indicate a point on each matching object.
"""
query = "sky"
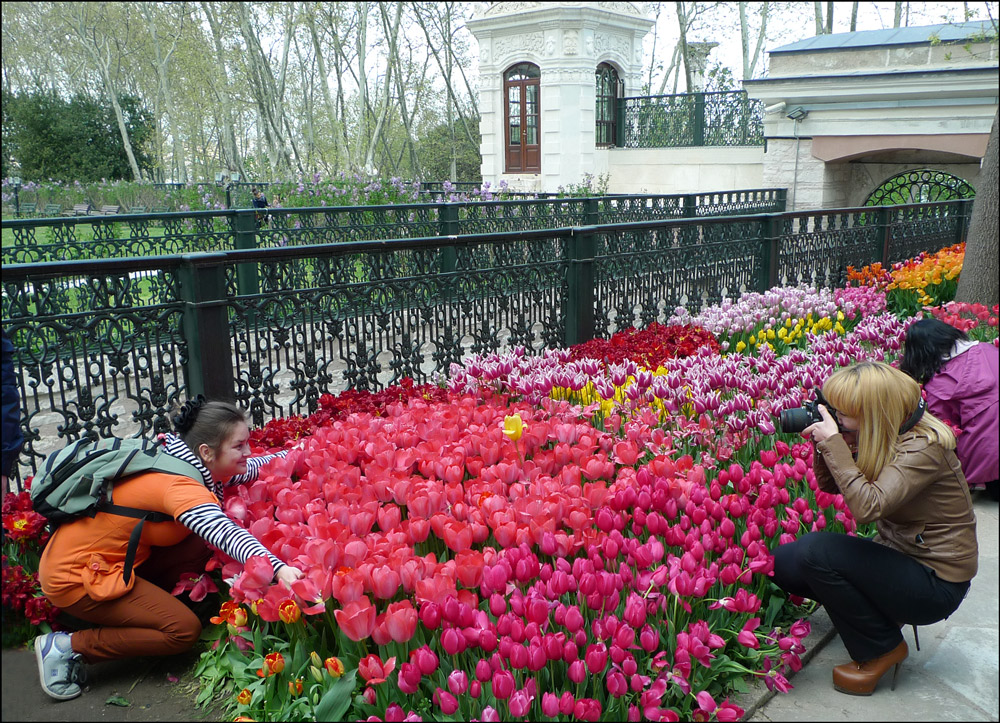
(790, 22)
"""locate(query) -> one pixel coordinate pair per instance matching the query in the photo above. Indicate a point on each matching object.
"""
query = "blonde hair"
(881, 398)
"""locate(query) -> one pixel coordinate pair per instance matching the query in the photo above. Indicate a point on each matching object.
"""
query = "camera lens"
(795, 420)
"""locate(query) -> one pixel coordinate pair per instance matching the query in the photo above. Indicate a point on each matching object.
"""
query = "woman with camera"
(903, 475)
(960, 379)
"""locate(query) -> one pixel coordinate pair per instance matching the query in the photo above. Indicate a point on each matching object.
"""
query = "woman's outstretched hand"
(288, 574)
(821, 430)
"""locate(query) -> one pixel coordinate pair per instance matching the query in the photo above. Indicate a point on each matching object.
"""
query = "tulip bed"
(580, 534)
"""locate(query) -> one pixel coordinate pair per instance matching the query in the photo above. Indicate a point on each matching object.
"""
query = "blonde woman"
(895, 465)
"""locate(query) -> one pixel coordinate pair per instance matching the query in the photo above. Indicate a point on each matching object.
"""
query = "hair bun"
(184, 419)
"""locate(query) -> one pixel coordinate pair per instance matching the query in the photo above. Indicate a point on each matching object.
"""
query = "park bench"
(107, 211)
(159, 209)
(28, 209)
(52, 209)
(137, 209)
(79, 209)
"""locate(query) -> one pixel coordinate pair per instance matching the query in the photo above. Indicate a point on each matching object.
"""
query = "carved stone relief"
(503, 47)
(571, 42)
(616, 44)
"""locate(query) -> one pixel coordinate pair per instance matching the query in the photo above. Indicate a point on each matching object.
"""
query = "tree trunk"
(331, 112)
(829, 18)
(98, 47)
(854, 16)
(978, 282)
(897, 14)
(233, 160)
(162, 67)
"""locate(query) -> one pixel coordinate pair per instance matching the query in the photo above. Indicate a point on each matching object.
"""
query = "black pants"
(868, 589)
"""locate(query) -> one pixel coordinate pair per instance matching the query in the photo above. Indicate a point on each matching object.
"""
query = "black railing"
(105, 347)
(690, 119)
(59, 239)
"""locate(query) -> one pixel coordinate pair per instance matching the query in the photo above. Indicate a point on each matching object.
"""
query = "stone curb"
(822, 632)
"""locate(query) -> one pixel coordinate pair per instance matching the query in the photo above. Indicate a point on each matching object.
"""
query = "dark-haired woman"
(81, 567)
(960, 379)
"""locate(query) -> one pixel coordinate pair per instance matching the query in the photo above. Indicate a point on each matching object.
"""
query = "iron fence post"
(964, 216)
(620, 137)
(247, 274)
(580, 285)
(770, 228)
(781, 200)
(448, 228)
(885, 231)
(209, 366)
(699, 119)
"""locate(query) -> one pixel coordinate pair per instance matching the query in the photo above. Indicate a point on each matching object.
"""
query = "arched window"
(522, 133)
(920, 186)
(609, 89)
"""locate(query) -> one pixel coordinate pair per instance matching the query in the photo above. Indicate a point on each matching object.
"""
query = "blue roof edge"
(945, 32)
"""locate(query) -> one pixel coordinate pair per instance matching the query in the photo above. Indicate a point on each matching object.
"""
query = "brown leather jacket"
(920, 502)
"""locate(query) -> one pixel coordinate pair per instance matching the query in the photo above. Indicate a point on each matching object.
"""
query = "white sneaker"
(60, 670)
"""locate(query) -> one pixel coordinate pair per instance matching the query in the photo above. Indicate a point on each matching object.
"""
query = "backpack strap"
(133, 540)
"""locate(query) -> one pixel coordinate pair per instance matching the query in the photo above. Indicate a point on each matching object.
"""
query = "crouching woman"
(81, 568)
(906, 479)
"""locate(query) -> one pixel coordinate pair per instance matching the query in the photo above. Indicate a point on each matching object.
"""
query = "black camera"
(795, 420)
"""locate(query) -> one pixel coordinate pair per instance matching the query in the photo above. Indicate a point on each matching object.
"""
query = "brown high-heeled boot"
(861, 678)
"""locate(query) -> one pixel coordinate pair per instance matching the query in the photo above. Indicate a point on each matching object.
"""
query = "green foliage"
(54, 138)
(434, 152)
(587, 188)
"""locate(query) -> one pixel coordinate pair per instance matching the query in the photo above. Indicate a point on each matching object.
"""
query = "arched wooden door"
(522, 135)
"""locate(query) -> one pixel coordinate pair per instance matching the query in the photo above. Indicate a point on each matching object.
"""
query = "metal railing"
(105, 347)
(71, 238)
(690, 119)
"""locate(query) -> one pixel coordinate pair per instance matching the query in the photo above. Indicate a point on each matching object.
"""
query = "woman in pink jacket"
(960, 383)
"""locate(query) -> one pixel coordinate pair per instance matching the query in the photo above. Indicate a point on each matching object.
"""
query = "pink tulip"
(596, 658)
(519, 704)
(550, 705)
(425, 659)
(446, 701)
(489, 715)
(577, 671)
(503, 685)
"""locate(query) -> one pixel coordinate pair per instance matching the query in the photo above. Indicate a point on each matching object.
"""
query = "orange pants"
(147, 620)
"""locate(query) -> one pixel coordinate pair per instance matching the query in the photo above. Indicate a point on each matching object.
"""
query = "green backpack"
(78, 480)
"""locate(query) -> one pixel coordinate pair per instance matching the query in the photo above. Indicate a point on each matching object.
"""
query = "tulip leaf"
(337, 700)
(120, 701)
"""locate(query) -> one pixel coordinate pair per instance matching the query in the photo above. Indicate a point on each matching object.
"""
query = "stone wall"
(681, 170)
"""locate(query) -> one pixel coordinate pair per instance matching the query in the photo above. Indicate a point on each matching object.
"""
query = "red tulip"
(356, 619)
(374, 671)
(401, 621)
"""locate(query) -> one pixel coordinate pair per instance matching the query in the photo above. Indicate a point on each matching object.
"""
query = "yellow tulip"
(740, 346)
(513, 427)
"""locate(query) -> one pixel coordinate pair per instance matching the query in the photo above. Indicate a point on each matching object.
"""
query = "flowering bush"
(781, 318)
(925, 280)
(25, 609)
(586, 532)
(649, 347)
(976, 320)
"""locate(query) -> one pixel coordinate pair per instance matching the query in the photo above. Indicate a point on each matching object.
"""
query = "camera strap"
(914, 418)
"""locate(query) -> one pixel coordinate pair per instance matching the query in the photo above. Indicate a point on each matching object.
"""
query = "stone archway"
(922, 185)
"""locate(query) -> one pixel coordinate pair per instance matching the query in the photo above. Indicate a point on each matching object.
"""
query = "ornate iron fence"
(63, 239)
(690, 119)
(104, 347)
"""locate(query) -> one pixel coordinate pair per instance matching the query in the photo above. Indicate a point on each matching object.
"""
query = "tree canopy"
(74, 139)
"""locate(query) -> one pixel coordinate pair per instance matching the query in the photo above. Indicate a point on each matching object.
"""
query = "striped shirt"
(209, 522)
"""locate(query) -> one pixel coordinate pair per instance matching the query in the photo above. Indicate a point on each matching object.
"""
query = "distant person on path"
(81, 567)
(260, 201)
(960, 379)
(12, 439)
(904, 476)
